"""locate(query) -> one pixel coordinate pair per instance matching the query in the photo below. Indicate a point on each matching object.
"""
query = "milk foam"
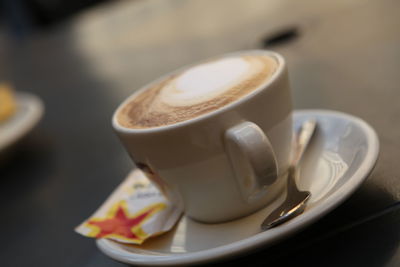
(196, 91)
(205, 81)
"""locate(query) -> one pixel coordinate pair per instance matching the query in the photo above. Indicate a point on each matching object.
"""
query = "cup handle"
(252, 158)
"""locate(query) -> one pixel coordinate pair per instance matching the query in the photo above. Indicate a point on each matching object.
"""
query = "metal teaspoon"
(295, 201)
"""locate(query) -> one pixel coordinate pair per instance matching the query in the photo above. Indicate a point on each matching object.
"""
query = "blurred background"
(25, 16)
(82, 58)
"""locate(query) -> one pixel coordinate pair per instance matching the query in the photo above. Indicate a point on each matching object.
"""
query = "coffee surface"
(196, 91)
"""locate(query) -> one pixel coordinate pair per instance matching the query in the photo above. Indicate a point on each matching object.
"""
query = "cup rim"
(265, 86)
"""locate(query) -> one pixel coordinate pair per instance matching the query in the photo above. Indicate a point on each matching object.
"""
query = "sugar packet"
(134, 212)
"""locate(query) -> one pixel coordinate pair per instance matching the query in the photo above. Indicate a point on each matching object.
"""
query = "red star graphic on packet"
(120, 225)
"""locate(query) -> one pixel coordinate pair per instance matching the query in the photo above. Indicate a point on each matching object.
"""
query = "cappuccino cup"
(215, 136)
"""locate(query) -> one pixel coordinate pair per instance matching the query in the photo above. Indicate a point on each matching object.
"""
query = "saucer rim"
(271, 236)
(27, 121)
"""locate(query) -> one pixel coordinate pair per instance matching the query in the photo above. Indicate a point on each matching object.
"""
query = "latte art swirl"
(196, 91)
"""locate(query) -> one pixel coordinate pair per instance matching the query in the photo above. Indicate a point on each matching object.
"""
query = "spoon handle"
(302, 140)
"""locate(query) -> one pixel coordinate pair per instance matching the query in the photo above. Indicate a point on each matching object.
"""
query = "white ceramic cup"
(227, 163)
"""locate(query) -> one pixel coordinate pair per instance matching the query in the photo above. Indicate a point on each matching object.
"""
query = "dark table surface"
(342, 55)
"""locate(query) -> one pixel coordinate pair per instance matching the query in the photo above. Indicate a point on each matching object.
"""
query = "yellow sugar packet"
(134, 212)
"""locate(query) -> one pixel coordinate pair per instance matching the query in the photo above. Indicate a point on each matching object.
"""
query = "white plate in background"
(29, 112)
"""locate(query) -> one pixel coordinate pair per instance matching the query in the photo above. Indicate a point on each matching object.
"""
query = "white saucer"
(29, 112)
(339, 159)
